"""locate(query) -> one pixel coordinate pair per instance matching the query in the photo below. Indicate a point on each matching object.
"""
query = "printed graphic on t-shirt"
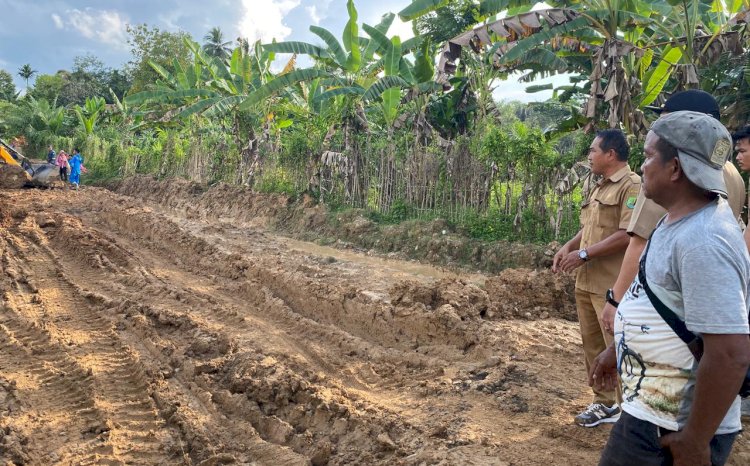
(654, 364)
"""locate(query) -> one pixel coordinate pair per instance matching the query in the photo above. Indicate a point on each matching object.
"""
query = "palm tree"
(215, 45)
(26, 72)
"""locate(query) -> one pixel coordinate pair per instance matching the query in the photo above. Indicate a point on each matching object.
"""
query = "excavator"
(17, 171)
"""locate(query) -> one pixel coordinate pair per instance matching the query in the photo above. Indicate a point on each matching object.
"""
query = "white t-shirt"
(699, 267)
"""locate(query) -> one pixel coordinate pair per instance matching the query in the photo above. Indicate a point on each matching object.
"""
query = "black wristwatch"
(583, 255)
(610, 297)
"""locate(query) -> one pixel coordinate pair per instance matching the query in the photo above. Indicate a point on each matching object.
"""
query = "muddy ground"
(135, 331)
(434, 241)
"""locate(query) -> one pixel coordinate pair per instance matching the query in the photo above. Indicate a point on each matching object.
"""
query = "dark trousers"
(64, 173)
(636, 442)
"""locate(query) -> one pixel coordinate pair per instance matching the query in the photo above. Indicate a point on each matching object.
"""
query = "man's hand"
(686, 452)
(570, 262)
(607, 319)
(559, 257)
(603, 372)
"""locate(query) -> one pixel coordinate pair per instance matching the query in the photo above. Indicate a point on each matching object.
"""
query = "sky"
(49, 34)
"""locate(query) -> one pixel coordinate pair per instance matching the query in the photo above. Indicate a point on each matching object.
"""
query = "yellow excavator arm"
(6, 157)
(14, 171)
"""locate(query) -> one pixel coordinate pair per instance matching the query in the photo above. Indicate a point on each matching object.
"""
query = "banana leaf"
(279, 83)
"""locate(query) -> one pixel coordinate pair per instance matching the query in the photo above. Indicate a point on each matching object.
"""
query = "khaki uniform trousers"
(595, 340)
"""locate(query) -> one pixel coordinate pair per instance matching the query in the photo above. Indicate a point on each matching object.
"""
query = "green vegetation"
(404, 129)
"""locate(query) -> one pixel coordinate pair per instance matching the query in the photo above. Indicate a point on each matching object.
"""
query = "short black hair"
(742, 133)
(665, 150)
(614, 139)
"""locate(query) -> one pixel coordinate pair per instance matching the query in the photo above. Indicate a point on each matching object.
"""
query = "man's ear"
(677, 172)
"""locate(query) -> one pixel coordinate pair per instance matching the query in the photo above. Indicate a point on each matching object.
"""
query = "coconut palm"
(214, 44)
(26, 72)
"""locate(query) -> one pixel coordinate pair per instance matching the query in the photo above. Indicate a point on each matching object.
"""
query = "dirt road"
(136, 332)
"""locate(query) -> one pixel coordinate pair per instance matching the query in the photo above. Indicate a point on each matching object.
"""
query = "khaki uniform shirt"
(606, 211)
(647, 212)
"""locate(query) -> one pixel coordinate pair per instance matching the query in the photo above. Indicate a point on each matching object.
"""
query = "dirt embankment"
(432, 242)
(136, 333)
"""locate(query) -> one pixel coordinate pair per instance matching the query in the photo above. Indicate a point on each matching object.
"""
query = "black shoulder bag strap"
(694, 342)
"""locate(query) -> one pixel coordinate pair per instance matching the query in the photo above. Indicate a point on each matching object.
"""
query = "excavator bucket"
(12, 173)
(16, 171)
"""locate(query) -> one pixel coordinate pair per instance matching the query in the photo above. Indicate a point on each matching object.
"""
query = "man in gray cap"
(646, 212)
(696, 265)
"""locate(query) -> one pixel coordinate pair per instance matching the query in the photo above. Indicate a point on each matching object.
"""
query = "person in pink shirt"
(62, 162)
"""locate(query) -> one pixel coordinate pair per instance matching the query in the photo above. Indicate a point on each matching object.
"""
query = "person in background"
(51, 155)
(76, 165)
(597, 251)
(62, 162)
(742, 148)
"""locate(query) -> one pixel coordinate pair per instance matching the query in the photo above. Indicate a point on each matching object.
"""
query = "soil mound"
(532, 294)
(221, 202)
(12, 177)
(432, 241)
(513, 294)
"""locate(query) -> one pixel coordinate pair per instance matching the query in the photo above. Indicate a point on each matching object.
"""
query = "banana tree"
(486, 8)
(240, 92)
(624, 39)
(90, 113)
(702, 30)
(46, 118)
(355, 64)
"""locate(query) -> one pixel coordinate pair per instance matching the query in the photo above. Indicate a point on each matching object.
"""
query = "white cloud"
(314, 15)
(319, 11)
(401, 29)
(58, 21)
(171, 19)
(106, 26)
(264, 19)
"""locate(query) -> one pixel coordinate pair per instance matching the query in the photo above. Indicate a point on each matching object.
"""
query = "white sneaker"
(597, 413)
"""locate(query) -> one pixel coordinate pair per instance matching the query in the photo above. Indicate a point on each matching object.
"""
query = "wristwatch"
(583, 255)
(610, 297)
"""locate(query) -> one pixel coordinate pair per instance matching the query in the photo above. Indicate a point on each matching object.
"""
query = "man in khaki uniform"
(597, 251)
(647, 213)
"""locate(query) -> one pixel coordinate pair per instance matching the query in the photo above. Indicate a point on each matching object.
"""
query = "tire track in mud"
(103, 377)
(142, 313)
(168, 242)
(211, 312)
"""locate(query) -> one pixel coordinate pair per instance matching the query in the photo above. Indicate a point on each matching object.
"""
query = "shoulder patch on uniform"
(630, 203)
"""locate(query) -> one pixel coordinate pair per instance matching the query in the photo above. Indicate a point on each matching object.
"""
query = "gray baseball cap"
(703, 146)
